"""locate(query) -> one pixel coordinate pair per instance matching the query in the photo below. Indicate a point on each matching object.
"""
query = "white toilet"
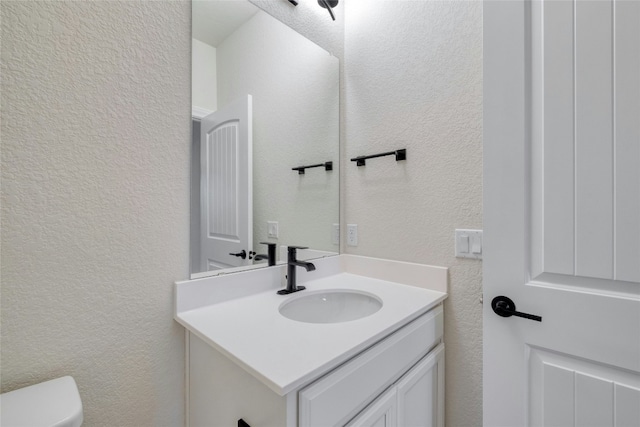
(54, 403)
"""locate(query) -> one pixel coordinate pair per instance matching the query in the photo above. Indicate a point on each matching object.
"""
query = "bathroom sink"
(330, 306)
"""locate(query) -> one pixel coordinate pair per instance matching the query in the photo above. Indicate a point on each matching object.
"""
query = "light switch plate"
(468, 243)
(272, 229)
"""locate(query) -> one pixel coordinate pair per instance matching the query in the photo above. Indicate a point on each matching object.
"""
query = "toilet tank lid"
(54, 403)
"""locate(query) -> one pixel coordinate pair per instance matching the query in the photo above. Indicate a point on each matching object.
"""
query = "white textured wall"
(295, 90)
(204, 90)
(95, 202)
(413, 73)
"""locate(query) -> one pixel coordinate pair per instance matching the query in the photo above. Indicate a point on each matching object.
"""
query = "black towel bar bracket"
(400, 155)
(328, 166)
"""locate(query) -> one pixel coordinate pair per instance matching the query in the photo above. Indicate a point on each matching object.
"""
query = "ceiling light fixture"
(328, 4)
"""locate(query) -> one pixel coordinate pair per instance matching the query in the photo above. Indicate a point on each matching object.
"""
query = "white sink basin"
(330, 306)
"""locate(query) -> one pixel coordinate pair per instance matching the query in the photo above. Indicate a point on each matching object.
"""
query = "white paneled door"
(226, 186)
(562, 212)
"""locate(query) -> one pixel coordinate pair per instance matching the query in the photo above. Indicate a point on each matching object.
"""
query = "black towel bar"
(400, 155)
(328, 166)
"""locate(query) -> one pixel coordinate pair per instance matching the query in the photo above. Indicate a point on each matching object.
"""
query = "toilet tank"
(54, 403)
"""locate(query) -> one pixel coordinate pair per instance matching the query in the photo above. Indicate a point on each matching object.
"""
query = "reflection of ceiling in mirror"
(214, 20)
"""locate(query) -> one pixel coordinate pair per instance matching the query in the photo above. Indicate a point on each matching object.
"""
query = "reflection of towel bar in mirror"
(328, 166)
(400, 155)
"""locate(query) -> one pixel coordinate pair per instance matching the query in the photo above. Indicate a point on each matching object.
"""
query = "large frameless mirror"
(265, 145)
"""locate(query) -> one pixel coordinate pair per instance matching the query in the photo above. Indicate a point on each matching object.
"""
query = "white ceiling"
(214, 20)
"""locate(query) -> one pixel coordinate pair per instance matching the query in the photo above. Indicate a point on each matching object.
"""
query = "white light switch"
(272, 229)
(463, 244)
(476, 244)
(468, 243)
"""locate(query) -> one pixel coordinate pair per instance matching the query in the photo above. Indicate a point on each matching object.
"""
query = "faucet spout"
(292, 263)
(306, 265)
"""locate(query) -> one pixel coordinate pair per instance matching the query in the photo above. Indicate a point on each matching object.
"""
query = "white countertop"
(285, 354)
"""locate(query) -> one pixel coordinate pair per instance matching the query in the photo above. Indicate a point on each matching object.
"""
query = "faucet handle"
(292, 254)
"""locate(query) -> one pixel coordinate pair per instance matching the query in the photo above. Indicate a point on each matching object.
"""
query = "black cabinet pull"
(505, 307)
(242, 254)
(242, 423)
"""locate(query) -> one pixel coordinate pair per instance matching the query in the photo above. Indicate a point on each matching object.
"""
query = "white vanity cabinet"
(397, 381)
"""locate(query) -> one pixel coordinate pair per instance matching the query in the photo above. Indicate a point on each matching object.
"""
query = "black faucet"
(292, 263)
(270, 256)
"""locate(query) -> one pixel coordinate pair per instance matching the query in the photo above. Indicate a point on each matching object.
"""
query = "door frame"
(197, 114)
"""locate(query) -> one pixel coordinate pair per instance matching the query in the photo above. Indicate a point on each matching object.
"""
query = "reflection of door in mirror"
(226, 232)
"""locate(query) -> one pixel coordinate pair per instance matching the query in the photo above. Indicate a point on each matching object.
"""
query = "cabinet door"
(416, 400)
(381, 413)
(420, 393)
(338, 397)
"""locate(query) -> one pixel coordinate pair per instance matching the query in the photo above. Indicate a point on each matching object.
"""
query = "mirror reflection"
(265, 101)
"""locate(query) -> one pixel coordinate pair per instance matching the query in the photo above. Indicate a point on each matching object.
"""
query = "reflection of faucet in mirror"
(292, 263)
(270, 256)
